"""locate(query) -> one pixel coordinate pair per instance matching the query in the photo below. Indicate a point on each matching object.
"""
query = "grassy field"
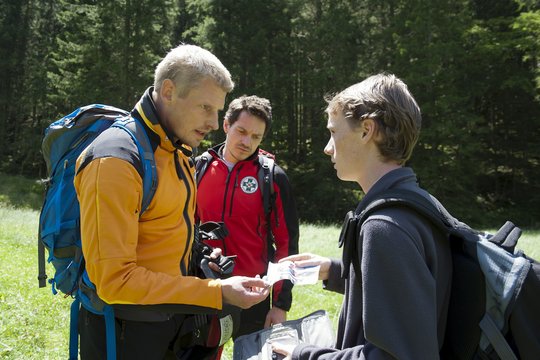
(34, 323)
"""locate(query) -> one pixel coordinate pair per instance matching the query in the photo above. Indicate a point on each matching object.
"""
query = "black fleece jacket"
(397, 307)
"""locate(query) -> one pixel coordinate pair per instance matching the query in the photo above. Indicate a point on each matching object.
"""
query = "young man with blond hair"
(140, 263)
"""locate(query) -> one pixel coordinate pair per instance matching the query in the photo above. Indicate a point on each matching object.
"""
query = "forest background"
(473, 66)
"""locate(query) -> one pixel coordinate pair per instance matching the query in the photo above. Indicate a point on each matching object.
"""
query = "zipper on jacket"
(235, 185)
(229, 172)
(189, 226)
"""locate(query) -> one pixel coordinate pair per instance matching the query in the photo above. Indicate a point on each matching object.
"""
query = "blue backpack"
(59, 220)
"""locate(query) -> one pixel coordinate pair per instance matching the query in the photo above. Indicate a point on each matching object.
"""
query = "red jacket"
(235, 198)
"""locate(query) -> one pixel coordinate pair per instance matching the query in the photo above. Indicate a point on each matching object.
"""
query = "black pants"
(134, 339)
(253, 319)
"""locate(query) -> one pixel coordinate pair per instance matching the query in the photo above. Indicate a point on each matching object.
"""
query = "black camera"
(201, 252)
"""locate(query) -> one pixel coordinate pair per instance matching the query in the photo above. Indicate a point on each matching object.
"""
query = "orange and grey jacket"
(141, 260)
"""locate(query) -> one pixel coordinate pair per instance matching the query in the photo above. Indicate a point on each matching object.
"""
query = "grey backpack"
(493, 311)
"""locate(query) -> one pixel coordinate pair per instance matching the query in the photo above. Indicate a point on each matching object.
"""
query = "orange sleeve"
(110, 194)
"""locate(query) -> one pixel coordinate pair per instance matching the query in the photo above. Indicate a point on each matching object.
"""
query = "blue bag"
(59, 221)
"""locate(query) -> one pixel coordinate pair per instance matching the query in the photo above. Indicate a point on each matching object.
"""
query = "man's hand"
(216, 253)
(244, 292)
(307, 259)
(275, 316)
(283, 349)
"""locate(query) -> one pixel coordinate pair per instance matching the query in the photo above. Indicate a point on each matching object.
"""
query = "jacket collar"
(217, 152)
(146, 110)
(403, 177)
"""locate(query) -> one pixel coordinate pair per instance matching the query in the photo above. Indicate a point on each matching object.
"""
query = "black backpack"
(494, 310)
(265, 176)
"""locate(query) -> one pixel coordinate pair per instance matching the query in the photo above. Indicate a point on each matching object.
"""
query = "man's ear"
(226, 126)
(368, 129)
(168, 90)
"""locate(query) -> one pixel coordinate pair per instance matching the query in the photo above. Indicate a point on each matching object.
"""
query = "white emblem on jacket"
(249, 184)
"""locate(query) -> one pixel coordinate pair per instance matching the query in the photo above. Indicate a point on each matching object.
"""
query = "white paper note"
(287, 270)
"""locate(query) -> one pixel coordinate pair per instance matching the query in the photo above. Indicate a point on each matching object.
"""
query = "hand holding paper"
(287, 270)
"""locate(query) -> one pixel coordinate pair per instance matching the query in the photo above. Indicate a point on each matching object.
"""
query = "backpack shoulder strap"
(150, 180)
(266, 179)
(201, 163)
(265, 176)
(430, 208)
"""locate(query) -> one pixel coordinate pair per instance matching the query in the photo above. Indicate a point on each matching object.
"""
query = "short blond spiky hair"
(187, 65)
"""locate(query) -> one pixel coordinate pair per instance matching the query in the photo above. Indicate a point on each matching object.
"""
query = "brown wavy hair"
(257, 106)
(385, 99)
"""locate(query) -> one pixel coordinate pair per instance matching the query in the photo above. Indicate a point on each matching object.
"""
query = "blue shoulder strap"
(134, 128)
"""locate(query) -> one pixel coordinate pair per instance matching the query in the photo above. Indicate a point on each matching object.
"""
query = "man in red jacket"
(230, 190)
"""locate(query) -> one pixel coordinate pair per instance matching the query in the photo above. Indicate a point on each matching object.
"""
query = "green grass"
(34, 323)
(21, 192)
(530, 243)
